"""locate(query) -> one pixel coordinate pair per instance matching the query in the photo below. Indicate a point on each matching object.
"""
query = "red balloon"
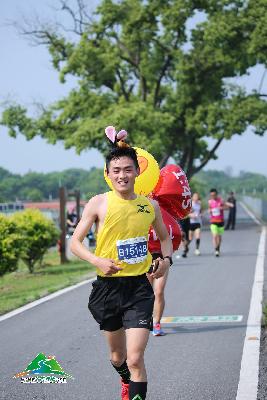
(173, 192)
(174, 231)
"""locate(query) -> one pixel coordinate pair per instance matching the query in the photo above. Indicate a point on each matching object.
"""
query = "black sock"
(218, 248)
(123, 371)
(197, 243)
(137, 390)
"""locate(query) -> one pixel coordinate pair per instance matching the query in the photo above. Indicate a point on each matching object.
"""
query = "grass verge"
(20, 287)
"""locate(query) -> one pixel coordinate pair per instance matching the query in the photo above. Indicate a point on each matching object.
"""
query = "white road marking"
(199, 319)
(43, 300)
(248, 380)
(255, 219)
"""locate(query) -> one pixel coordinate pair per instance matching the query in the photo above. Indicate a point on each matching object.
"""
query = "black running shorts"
(122, 302)
(194, 226)
(185, 226)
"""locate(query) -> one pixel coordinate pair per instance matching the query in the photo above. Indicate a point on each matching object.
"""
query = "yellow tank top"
(124, 234)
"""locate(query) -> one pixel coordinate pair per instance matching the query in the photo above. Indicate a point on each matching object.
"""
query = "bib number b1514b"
(133, 250)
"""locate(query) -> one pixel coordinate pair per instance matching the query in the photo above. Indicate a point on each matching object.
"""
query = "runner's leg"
(197, 237)
(159, 304)
(117, 345)
(137, 339)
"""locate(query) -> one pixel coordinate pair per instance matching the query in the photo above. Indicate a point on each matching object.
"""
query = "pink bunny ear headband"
(116, 138)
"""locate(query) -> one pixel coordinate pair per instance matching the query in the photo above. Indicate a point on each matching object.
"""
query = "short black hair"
(118, 152)
(213, 190)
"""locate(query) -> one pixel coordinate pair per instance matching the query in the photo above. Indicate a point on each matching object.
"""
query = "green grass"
(21, 287)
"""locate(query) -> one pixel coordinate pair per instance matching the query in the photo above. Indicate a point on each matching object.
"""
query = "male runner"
(159, 303)
(216, 207)
(122, 298)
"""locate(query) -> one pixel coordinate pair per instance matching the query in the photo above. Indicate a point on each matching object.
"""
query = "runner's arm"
(89, 216)
(165, 242)
(161, 231)
(227, 204)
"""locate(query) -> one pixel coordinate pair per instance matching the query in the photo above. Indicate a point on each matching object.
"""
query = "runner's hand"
(163, 266)
(108, 266)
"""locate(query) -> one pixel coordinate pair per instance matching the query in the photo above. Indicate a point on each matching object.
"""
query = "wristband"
(170, 259)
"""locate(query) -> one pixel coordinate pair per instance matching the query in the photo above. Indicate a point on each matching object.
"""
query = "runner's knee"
(135, 361)
(117, 358)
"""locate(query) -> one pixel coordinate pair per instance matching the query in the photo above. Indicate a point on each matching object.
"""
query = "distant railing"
(258, 206)
(10, 208)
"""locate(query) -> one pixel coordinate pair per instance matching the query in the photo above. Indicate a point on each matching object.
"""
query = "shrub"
(10, 245)
(38, 233)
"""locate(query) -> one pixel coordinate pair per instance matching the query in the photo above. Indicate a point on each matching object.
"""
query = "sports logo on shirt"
(142, 208)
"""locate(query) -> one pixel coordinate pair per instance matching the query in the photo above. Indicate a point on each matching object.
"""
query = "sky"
(27, 76)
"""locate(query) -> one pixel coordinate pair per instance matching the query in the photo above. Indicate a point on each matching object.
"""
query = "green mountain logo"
(43, 365)
(137, 397)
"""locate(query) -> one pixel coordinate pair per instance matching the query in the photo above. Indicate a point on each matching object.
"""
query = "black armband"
(170, 259)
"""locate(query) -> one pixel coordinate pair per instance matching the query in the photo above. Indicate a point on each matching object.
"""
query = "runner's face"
(213, 195)
(122, 173)
(195, 197)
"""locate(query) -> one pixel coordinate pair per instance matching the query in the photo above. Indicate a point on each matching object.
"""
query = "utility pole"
(62, 214)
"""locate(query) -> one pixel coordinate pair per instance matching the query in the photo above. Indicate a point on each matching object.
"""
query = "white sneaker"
(217, 253)
(197, 252)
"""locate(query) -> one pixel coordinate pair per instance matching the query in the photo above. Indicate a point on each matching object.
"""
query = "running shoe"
(197, 252)
(124, 391)
(217, 253)
(157, 331)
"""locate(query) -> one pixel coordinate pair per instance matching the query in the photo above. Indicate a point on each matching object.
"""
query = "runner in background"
(185, 226)
(216, 208)
(195, 222)
(160, 283)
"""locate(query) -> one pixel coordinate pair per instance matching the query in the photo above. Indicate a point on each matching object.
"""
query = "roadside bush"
(38, 233)
(10, 245)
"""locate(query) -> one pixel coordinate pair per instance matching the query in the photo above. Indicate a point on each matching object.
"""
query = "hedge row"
(27, 235)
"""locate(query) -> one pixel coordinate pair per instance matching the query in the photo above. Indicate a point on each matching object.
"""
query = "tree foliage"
(10, 245)
(92, 182)
(245, 182)
(35, 186)
(38, 234)
(140, 66)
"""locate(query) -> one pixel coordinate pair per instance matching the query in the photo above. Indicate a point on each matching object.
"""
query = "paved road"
(192, 362)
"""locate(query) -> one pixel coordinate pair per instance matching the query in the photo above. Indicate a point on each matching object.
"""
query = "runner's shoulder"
(154, 204)
(95, 203)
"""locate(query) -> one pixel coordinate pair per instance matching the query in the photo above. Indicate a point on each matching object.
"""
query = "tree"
(140, 67)
(33, 194)
(10, 245)
(38, 234)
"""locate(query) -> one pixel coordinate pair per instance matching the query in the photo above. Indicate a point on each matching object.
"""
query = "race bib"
(133, 250)
(215, 212)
